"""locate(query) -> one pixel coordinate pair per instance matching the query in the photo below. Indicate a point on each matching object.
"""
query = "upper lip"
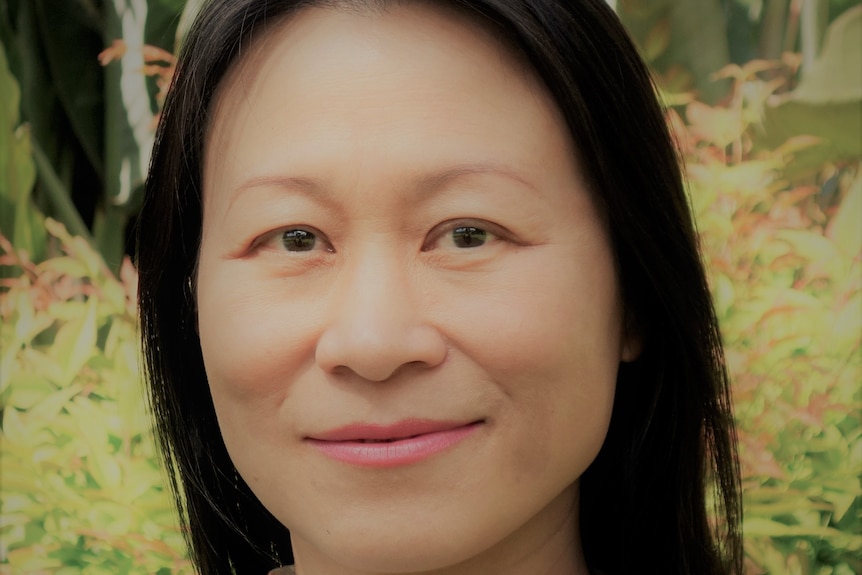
(380, 432)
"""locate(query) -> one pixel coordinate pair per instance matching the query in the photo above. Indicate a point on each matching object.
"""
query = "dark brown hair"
(644, 501)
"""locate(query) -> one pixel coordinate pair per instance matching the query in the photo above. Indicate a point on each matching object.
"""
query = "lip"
(403, 443)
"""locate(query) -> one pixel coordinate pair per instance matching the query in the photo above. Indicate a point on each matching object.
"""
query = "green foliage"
(18, 218)
(93, 125)
(827, 103)
(688, 37)
(82, 486)
(786, 272)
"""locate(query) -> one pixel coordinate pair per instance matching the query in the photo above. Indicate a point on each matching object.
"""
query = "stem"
(58, 195)
(792, 26)
(109, 231)
(810, 20)
(772, 29)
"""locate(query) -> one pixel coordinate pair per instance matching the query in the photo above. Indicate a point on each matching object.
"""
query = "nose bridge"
(375, 290)
(376, 321)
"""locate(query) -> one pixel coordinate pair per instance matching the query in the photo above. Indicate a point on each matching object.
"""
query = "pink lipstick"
(403, 443)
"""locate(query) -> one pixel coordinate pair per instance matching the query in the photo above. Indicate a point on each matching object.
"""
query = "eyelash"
(470, 230)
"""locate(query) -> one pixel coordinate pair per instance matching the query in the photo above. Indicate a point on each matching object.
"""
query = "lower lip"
(393, 453)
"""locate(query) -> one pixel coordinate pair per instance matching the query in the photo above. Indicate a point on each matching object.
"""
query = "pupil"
(468, 237)
(298, 240)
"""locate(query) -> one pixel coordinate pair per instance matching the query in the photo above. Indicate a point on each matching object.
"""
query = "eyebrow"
(306, 186)
(423, 187)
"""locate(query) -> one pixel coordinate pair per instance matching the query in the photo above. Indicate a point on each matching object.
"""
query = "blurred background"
(765, 100)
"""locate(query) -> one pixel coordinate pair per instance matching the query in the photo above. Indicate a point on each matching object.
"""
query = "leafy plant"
(18, 215)
(82, 487)
(786, 270)
(91, 127)
(82, 490)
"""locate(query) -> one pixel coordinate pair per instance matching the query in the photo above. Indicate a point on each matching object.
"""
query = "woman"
(420, 292)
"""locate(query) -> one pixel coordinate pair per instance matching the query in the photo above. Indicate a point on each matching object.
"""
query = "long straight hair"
(663, 494)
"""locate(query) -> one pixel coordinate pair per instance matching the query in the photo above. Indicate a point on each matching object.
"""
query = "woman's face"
(408, 307)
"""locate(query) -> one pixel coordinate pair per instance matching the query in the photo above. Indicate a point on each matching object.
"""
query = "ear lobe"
(632, 340)
(632, 348)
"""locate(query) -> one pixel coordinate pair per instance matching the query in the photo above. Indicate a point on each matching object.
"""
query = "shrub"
(82, 487)
(786, 272)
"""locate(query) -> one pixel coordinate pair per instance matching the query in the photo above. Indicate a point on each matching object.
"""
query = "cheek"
(551, 318)
(549, 341)
(252, 340)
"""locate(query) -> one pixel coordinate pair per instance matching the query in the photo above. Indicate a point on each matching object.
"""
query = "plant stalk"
(58, 195)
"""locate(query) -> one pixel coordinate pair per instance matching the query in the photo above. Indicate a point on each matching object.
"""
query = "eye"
(469, 237)
(294, 240)
(298, 240)
(461, 235)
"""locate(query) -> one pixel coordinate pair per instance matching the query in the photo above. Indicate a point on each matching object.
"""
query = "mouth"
(390, 440)
(377, 433)
(403, 443)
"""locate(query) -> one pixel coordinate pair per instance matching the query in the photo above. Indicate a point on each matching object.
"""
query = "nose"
(377, 323)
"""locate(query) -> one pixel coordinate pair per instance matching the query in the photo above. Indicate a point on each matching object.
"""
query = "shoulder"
(288, 570)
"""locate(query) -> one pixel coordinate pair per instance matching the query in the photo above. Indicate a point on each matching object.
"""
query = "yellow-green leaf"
(846, 229)
(64, 265)
(27, 390)
(75, 344)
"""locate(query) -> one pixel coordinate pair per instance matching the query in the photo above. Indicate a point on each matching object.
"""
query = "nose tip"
(377, 353)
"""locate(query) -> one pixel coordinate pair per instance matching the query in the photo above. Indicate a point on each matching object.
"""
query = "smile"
(404, 443)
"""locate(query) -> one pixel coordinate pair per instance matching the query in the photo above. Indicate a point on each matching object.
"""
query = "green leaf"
(78, 247)
(115, 519)
(821, 251)
(24, 329)
(724, 294)
(27, 390)
(762, 527)
(846, 228)
(19, 220)
(845, 333)
(49, 407)
(657, 40)
(11, 91)
(93, 425)
(13, 426)
(68, 266)
(75, 344)
(73, 73)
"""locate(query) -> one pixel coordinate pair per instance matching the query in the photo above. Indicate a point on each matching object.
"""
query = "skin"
(380, 132)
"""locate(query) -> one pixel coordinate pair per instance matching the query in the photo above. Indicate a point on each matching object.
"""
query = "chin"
(394, 551)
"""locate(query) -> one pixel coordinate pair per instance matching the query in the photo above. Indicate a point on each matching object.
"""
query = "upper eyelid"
(465, 223)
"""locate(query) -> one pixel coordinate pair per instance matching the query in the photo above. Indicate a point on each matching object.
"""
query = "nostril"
(344, 352)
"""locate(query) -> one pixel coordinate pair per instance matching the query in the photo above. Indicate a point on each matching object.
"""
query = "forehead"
(418, 82)
(316, 37)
